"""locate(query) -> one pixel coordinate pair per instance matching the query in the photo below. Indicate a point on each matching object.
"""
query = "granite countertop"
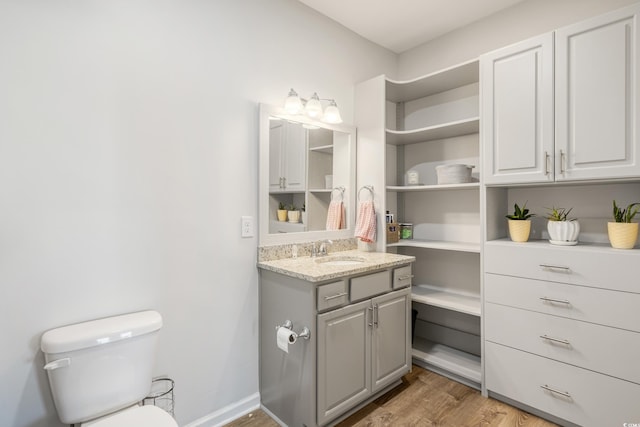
(315, 270)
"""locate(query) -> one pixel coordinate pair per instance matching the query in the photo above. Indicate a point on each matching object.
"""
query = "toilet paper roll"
(284, 337)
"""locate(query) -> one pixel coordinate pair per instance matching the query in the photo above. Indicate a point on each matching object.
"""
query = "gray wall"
(128, 153)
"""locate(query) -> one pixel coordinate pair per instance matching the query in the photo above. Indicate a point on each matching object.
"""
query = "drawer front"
(370, 285)
(332, 295)
(605, 307)
(594, 399)
(599, 348)
(402, 277)
(595, 266)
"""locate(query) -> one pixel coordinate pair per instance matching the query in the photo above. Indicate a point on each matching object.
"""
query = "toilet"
(99, 371)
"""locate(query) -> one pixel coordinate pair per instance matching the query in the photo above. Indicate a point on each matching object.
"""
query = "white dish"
(563, 243)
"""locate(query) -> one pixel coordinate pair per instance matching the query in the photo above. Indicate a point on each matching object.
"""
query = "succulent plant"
(559, 214)
(520, 214)
(624, 215)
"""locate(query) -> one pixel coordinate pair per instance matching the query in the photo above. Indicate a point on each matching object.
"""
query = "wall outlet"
(247, 226)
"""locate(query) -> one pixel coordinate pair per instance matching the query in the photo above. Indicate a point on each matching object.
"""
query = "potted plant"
(519, 223)
(562, 229)
(623, 234)
(293, 214)
(282, 212)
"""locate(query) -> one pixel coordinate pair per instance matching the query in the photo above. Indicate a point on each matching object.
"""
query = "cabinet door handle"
(558, 340)
(340, 295)
(375, 315)
(562, 161)
(546, 162)
(552, 300)
(554, 391)
(556, 267)
(284, 182)
(408, 276)
(370, 309)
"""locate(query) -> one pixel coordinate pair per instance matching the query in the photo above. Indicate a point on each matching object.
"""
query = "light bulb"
(313, 107)
(332, 114)
(293, 104)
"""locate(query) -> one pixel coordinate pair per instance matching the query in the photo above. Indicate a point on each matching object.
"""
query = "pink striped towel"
(366, 222)
(335, 215)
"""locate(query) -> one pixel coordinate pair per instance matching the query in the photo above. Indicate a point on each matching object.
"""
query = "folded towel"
(366, 222)
(335, 215)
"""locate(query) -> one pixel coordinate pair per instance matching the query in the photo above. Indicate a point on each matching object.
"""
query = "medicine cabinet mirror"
(304, 164)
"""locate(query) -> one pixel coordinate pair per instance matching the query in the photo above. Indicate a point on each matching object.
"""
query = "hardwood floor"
(425, 399)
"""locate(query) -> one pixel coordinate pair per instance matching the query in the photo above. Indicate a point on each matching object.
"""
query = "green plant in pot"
(293, 214)
(563, 230)
(282, 212)
(520, 223)
(623, 234)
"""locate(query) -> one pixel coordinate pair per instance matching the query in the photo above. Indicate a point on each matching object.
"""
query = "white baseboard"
(228, 413)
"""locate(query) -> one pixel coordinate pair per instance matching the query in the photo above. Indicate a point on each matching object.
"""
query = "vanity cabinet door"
(517, 112)
(287, 157)
(391, 337)
(344, 359)
(597, 88)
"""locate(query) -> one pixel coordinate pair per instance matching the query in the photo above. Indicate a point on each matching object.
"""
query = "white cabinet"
(595, 71)
(287, 156)
(417, 125)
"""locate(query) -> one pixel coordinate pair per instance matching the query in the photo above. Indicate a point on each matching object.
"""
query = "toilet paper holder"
(305, 333)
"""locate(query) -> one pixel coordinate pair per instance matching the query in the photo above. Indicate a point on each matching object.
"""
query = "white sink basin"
(341, 260)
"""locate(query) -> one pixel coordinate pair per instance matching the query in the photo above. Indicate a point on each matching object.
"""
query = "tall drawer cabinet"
(562, 330)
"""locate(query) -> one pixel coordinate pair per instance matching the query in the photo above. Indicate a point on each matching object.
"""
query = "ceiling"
(399, 25)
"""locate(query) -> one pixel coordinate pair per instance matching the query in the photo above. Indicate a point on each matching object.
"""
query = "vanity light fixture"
(312, 107)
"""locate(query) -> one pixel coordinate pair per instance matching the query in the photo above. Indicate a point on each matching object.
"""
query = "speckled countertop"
(315, 270)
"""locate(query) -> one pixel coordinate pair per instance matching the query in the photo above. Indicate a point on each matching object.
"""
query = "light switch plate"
(247, 226)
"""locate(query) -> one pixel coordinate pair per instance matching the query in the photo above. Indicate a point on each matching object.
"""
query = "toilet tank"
(98, 367)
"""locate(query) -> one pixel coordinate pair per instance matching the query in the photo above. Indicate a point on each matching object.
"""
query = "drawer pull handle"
(408, 276)
(552, 300)
(556, 267)
(371, 310)
(546, 163)
(554, 391)
(340, 295)
(558, 340)
(375, 314)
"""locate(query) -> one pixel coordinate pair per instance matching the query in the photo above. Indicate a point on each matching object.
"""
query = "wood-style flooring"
(425, 399)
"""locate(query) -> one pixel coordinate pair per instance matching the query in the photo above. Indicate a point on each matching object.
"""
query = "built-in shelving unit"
(431, 133)
(437, 244)
(444, 298)
(457, 364)
(327, 149)
(436, 187)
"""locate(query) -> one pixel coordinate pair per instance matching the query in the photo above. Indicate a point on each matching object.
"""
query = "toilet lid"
(138, 416)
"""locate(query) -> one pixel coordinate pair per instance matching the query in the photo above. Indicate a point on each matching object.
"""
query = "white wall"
(521, 21)
(128, 153)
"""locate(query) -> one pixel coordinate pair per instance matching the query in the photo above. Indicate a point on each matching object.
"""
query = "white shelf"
(432, 133)
(459, 363)
(430, 84)
(438, 244)
(320, 190)
(327, 149)
(439, 297)
(436, 187)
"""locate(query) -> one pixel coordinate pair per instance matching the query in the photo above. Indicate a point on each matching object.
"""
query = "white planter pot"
(294, 216)
(563, 232)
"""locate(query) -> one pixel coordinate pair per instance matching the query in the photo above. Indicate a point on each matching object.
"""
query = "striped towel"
(335, 216)
(366, 222)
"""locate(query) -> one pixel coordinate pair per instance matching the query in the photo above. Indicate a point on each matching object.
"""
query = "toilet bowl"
(99, 371)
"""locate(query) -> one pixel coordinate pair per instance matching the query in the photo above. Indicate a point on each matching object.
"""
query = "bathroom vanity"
(356, 307)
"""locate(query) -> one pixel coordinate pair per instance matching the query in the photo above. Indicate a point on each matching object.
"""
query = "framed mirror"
(306, 178)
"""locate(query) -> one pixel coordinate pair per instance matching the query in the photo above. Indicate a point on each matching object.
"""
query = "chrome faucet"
(323, 248)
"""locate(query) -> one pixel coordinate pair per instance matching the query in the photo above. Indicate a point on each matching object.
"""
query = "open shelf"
(433, 187)
(439, 297)
(446, 359)
(438, 244)
(327, 149)
(430, 84)
(432, 133)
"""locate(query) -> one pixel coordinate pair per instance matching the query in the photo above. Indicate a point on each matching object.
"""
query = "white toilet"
(100, 370)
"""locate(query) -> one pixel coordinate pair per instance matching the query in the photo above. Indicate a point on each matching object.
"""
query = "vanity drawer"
(593, 399)
(599, 348)
(596, 266)
(370, 285)
(605, 307)
(332, 295)
(402, 277)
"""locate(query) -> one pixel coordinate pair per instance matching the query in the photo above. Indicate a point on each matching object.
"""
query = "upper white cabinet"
(517, 112)
(287, 156)
(597, 85)
(596, 82)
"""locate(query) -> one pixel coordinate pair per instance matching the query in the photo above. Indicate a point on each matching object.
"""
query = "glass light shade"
(293, 103)
(332, 114)
(313, 107)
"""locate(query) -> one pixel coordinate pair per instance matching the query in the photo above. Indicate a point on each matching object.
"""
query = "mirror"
(304, 166)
